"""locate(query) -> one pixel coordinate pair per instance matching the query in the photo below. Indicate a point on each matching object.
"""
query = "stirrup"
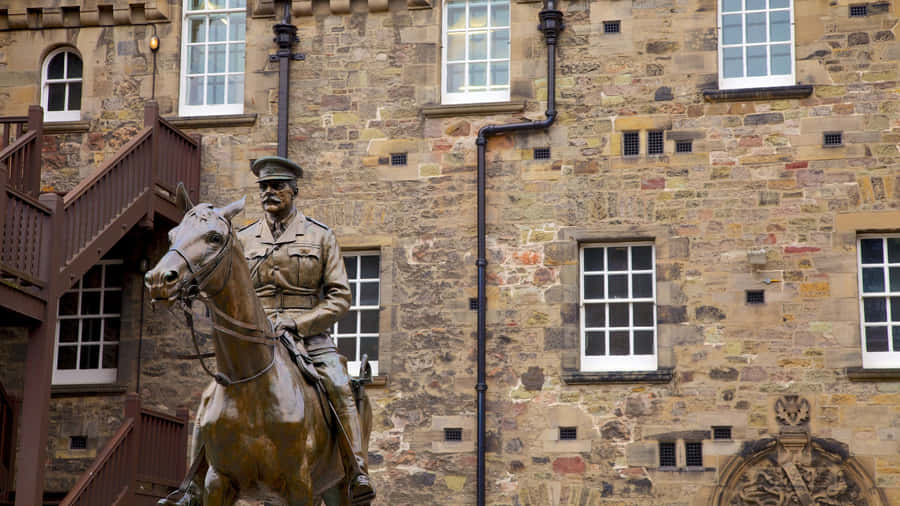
(361, 491)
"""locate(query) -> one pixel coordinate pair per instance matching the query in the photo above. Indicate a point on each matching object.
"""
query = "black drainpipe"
(285, 37)
(551, 25)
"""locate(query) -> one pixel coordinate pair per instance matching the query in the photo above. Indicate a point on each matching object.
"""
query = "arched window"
(61, 86)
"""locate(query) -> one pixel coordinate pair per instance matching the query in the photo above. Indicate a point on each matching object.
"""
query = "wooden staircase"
(47, 242)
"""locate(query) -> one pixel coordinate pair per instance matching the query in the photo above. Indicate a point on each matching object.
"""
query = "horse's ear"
(232, 209)
(182, 199)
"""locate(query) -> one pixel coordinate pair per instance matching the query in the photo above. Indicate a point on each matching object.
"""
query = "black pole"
(551, 25)
(285, 36)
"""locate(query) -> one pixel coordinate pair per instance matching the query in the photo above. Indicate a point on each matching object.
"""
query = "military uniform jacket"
(300, 275)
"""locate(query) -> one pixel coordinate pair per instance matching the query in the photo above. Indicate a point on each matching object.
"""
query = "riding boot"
(361, 489)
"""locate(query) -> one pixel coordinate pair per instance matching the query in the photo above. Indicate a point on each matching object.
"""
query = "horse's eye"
(215, 238)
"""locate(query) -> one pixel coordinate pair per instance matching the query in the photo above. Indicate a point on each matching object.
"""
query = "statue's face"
(277, 198)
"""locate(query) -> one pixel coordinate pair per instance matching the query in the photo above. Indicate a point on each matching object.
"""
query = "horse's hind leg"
(218, 490)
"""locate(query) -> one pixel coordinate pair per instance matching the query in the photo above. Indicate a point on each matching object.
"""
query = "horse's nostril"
(170, 277)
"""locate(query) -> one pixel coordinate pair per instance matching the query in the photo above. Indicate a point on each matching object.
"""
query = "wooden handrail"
(87, 183)
(116, 443)
(176, 130)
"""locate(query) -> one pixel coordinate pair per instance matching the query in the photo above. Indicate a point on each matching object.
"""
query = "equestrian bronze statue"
(277, 423)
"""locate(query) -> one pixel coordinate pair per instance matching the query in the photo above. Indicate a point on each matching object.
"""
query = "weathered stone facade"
(758, 178)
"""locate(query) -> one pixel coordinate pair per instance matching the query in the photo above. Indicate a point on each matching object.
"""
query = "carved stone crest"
(792, 411)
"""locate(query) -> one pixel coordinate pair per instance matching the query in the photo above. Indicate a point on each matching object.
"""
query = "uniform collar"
(296, 226)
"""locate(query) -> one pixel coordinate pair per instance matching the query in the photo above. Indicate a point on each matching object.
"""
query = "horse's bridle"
(193, 288)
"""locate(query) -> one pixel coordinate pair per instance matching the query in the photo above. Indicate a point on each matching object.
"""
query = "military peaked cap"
(272, 168)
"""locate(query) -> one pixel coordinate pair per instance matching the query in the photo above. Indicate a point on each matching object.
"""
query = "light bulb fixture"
(154, 43)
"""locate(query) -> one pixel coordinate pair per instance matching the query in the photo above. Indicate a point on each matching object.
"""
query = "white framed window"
(356, 334)
(475, 52)
(87, 332)
(618, 307)
(212, 57)
(61, 78)
(879, 300)
(756, 43)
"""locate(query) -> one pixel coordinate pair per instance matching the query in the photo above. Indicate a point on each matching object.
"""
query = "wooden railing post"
(151, 119)
(133, 411)
(33, 166)
(4, 180)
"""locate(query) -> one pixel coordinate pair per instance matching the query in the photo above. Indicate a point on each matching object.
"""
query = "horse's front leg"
(218, 489)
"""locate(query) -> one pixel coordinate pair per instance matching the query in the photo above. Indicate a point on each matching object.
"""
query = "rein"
(196, 284)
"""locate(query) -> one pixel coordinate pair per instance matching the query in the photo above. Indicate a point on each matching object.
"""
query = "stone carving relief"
(794, 468)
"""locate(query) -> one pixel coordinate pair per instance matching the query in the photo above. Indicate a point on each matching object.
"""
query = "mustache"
(271, 198)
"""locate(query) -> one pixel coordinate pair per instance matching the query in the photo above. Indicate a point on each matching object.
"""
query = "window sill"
(66, 127)
(87, 389)
(686, 469)
(773, 93)
(860, 374)
(485, 109)
(663, 375)
(228, 120)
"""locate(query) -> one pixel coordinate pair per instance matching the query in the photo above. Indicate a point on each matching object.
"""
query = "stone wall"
(758, 178)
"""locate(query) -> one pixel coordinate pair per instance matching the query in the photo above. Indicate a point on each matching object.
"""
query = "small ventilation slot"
(756, 297)
(612, 26)
(833, 139)
(859, 11)
(453, 434)
(666, 454)
(398, 158)
(541, 153)
(684, 147)
(473, 303)
(693, 454)
(654, 142)
(722, 432)
(568, 433)
(631, 143)
(78, 442)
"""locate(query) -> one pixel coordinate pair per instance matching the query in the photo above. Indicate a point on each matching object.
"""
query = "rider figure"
(299, 276)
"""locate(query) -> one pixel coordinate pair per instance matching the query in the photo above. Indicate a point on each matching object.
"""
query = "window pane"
(595, 343)
(218, 28)
(237, 27)
(641, 257)
(618, 315)
(871, 251)
(477, 16)
(347, 324)
(642, 285)
(236, 89)
(895, 309)
(895, 279)
(368, 346)
(113, 275)
(778, 4)
(593, 287)
(110, 356)
(478, 74)
(781, 59)
(195, 91)
(350, 266)
(90, 329)
(90, 357)
(895, 331)
(731, 29)
(354, 301)
(756, 61)
(499, 73)
(874, 310)
(456, 16)
(56, 97)
(112, 302)
(643, 314)
(456, 74)
(90, 303)
(618, 258)
(236, 57)
(196, 59)
(876, 339)
(755, 5)
(756, 27)
(57, 67)
(500, 14)
(93, 278)
(731, 5)
(347, 347)
(618, 343)
(68, 331)
(370, 265)
(110, 329)
(66, 357)
(593, 259)
(368, 294)
(237, 4)
(873, 279)
(368, 323)
(618, 286)
(456, 46)
(594, 315)
(893, 246)
(197, 5)
(478, 45)
(74, 70)
(733, 62)
(68, 303)
(643, 342)
(500, 44)
(197, 29)
(780, 26)
(215, 90)
(216, 58)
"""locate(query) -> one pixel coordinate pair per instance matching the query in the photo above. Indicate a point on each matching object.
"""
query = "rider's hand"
(282, 324)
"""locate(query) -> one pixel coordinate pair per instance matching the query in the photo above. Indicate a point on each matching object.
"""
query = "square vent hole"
(568, 433)
(453, 434)
(756, 297)
(541, 153)
(77, 442)
(612, 26)
(722, 432)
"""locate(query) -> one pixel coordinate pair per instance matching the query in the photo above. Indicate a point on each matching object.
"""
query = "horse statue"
(262, 431)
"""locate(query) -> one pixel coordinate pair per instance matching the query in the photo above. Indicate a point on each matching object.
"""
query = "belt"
(288, 301)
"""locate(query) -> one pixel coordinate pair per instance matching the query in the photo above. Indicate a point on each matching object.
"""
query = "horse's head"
(197, 246)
